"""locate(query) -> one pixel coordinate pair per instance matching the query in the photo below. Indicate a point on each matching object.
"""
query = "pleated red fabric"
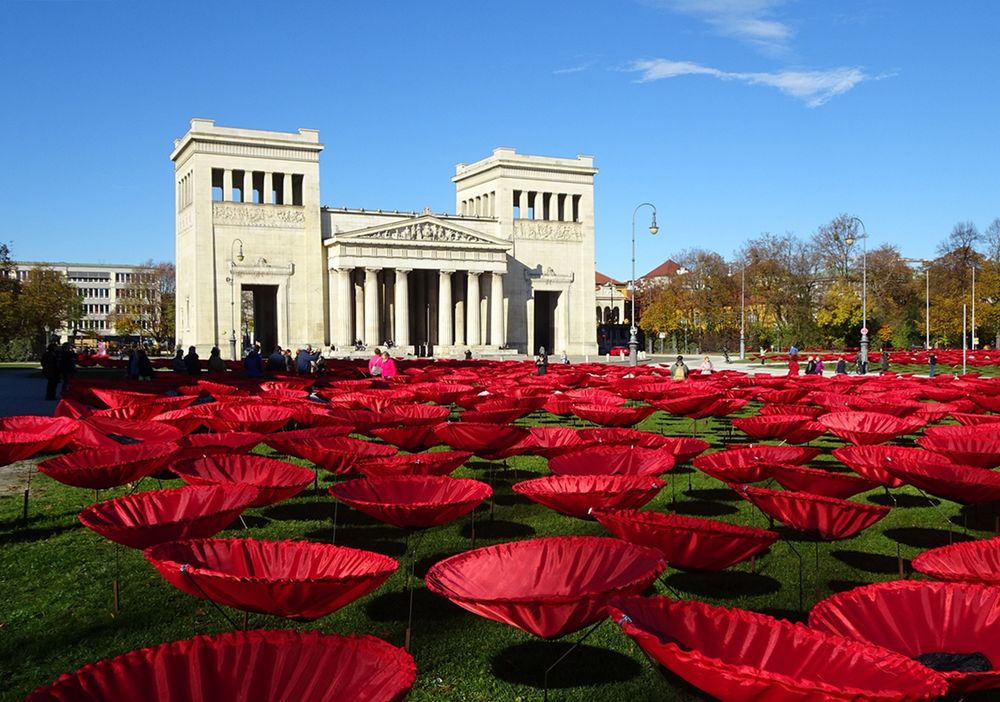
(579, 495)
(866, 428)
(870, 461)
(100, 469)
(914, 618)
(820, 482)
(821, 517)
(408, 438)
(974, 446)
(550, 442)
(413, 415)
(479, 438)
(742, 656)
(275, 480)
(413, 501)
(549, 586)
(144, 519)
(748, 464)
(963, 484)
(299, 580)
(968, 562)
(493, 416)
(686, 405)
(198, 445)
(612, 416)
(431, 463)
(260, 418)
(340, 454)
(688, 543)
(133, 429)
(775, 426)
(57, 431)
(245, 666)
(612, 460)
(287, 441)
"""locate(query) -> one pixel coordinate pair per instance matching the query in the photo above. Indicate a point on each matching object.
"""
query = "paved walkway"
(21, 392)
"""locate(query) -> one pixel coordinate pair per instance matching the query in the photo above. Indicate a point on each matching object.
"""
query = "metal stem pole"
(864, 300)
(965, 339)
(973, 307)
(927, 308)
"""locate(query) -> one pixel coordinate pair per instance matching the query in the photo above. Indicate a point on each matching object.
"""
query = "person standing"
(67, 365)
(932, 363)
(253, 364)
(276, 360)
(375, 363)
(387, 366)
(50, 369)
(706, 366)
(679, 371)
(841, 368)
(215, 362)
(818, 370)
(192, 362)
(177, 364)
(541, 361)
(793, 364)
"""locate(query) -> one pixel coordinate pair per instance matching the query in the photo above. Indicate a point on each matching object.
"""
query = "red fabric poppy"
(275, 480)
(579, 495)
(143, 519)
(742, 656)
(57, 431)
(688, 543)
(249, 666)
(209, 444)
(916, 618)
(612, 416)
(612, 460)
(413, 501)
(548, 586)
(299, 580)
(821, 517)
(259, 418)
(968, 562)
(820, 482)
(100, 469)
(963, 484)
(287, 441)
(148, 432)
(775, 426)
(866, 428)
(433, 463)
(749, 464)
(408, 438)
(339, 454)
(969, 445)
(481, 439)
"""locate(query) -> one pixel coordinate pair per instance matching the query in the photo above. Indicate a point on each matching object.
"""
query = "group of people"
(58, 365)
(382, 365)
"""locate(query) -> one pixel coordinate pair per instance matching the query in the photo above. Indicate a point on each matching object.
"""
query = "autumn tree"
(145, 302)
(47, 302)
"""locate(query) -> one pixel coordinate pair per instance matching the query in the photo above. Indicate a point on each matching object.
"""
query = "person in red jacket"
(793, 364)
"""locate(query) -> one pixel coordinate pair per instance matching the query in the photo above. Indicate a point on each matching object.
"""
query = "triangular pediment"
(424, 230)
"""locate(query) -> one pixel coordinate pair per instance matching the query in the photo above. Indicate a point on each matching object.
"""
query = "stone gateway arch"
(259, 257)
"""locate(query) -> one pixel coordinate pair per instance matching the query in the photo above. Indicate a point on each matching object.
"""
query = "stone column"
(540, 205)
(371, 307)
(496, 310)
(286, 189)
(444, 309)
(248, 186)
(340, 311)
(227, 185)
(268, 186)
(358, 330)
(522, 204)
(402, 330)
(472, 334)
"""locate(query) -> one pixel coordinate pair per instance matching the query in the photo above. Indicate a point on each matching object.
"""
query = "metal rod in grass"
(576, 645)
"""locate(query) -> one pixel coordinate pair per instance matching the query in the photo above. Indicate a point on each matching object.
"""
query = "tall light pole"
(927, 298)
(974, 339)
(233, 258)
(633, 340)
(850, 238)
(743, 309)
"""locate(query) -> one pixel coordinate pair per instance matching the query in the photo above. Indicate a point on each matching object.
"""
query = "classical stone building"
(513, 269)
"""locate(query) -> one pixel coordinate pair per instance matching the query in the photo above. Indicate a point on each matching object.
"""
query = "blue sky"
(734, 118)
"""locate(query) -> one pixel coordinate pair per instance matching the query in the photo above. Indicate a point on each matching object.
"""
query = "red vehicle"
(618, 351)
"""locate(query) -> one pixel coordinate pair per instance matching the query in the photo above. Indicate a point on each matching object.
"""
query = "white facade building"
(514, 269)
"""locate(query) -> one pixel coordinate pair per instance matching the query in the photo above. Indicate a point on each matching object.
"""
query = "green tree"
(145, 304)
(47, 302)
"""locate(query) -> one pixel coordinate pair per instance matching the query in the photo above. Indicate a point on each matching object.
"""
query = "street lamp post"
(633, 339)
(849, 239)
(233, 258)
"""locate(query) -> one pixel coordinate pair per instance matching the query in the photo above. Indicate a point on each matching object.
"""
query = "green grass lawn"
(57, 580)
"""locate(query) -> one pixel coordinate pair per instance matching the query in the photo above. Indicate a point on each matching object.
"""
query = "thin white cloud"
(574, 69)
(752, 21)
(815, 88)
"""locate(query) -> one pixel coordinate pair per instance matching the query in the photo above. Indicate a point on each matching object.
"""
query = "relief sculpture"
(548, 231)
(247, 215)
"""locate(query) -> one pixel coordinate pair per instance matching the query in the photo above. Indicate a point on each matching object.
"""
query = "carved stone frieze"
(240, 214)
(548, 231)
(423, 231)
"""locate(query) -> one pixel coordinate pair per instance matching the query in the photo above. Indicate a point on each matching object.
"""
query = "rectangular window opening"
(297, 189)
(217, 185)
(277, 194)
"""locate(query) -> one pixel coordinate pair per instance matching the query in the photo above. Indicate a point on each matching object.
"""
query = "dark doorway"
(545, 320)
(265, 315)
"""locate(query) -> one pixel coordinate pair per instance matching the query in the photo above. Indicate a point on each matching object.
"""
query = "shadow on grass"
(313, 510)
(844, 585)
(395, 606)
(725, 584)
(525, 664)
(386, 540)
(496, 529)
(978, 518)
(871, 562)
(23, 535)
(702, 508)
(714, 494)
(791, 615)
(923, 537)
(248, 521)
(902, 500)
